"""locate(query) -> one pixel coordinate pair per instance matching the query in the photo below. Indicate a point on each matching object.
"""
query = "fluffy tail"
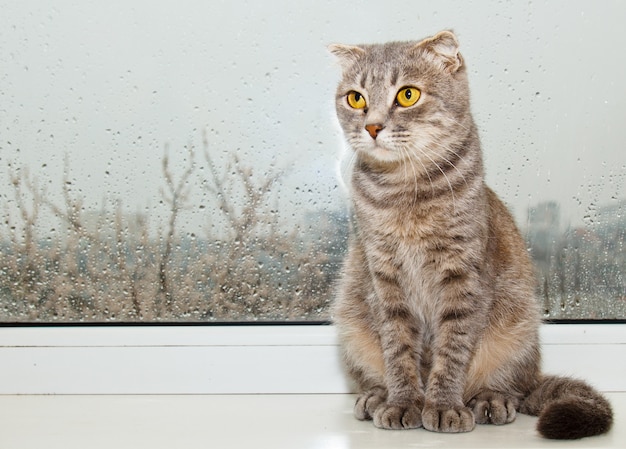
(568, 409)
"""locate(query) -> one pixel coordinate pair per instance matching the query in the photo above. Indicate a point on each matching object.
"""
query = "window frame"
(243, 359)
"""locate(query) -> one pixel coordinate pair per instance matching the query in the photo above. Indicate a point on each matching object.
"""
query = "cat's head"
(403, 99)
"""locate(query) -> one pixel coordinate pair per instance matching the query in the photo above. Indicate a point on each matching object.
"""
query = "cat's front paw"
(447, 419)
(398, 416)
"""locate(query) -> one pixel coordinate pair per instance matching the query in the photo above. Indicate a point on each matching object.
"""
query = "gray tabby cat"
(436, 307)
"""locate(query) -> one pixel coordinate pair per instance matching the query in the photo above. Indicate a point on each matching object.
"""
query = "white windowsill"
(198, 387)
(243, 422)
(242, 359)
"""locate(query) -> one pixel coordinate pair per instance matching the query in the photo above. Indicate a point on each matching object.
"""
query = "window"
(178, 162)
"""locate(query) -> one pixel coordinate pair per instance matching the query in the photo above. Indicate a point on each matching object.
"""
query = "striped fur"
(436, 306)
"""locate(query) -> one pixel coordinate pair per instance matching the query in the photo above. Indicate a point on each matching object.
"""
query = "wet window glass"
(170, 161)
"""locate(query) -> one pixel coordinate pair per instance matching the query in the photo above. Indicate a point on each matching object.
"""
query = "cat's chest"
(393, 205)
(401, 236)
(410, 259)
(407, 224)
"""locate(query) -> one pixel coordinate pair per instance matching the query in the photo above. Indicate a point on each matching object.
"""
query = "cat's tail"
(568, 409)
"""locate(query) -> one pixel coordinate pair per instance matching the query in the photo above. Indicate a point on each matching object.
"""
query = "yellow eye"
(408, 96)
(356, 100)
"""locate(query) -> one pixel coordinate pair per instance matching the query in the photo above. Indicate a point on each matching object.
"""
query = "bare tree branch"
(176, 195)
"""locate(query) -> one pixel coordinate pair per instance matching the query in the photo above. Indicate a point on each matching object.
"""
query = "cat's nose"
(374, 130)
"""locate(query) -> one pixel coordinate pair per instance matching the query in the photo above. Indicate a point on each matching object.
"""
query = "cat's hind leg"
(491, 407)
(365, 368)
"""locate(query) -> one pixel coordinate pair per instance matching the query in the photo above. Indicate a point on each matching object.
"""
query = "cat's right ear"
(444, 46)
(346, 54)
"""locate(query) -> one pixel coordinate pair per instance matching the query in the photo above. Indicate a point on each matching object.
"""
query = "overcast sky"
(110, 83)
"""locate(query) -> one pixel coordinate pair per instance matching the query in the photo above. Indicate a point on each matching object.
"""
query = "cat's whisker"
(421, 150)
(430, 181)
(447, 148)
(459, 123)
(347, 169)
(409, 160)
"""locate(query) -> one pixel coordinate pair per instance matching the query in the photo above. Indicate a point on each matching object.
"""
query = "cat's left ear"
(445, 48)
(346, 54)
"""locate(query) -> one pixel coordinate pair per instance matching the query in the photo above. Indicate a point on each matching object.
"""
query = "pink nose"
(374, 130)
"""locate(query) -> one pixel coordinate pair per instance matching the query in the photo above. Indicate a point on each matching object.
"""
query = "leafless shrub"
(107, 266)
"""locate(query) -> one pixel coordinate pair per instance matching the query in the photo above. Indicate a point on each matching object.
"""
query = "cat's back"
(509, 265)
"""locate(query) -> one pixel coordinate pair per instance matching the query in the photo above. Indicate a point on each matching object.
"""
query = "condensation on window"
(240, 260)
(580, 270)
(180, 162)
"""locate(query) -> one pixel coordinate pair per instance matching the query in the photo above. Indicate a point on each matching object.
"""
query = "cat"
(435, 306)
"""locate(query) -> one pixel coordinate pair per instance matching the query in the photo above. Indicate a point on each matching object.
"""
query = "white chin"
(381, 154)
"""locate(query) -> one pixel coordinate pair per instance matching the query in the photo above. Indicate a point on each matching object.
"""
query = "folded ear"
(346, 54)
(445, 48)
